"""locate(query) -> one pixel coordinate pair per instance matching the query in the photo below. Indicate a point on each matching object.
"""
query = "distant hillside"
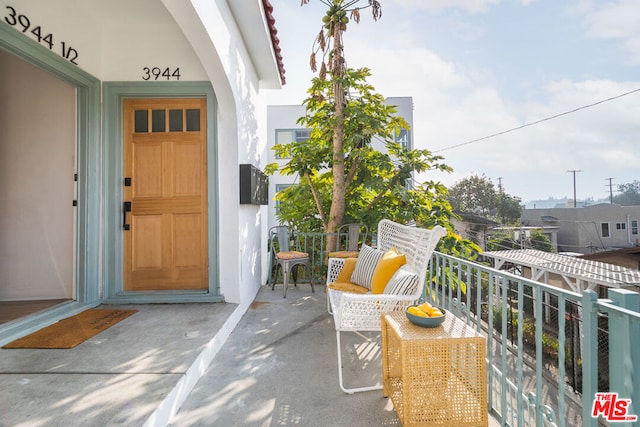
(552, 202)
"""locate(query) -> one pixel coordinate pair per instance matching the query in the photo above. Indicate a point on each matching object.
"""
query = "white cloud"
(469, 6)
(533, 161)
(617, 20)
(454, 105)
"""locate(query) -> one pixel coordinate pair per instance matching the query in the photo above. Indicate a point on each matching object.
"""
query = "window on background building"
(404, 138)
(605, 229)
(634, 226)
(287, 136)
(621, 226)
(280, 187)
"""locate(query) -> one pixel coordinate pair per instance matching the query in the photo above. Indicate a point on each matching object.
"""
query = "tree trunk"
(336, 213)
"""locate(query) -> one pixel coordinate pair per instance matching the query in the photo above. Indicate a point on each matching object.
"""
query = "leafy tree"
(504, 240)
(473, 194)
(477, 194)
(541, 241)
(509, 208)
(629, 194)
(378, 185)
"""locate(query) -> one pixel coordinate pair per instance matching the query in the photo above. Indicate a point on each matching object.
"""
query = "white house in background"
(589, 229)
(122, 128)
(282, 128)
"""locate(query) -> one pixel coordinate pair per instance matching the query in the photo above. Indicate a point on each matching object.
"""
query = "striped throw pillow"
(365, 266)
(403, 282)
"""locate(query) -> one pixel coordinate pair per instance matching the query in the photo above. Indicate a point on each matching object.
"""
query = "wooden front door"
(165, 194)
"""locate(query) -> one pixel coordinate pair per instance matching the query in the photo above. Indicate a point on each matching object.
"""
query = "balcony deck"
(277, 367)
(273, 362)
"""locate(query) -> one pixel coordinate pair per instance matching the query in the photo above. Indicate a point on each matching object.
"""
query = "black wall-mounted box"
(254, 186)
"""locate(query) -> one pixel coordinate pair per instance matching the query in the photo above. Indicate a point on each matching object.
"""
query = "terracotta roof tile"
(268, 9)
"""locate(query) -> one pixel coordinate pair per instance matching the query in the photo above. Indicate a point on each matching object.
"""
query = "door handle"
(126, 207)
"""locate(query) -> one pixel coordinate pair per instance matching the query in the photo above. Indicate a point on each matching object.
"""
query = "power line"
(536, 122)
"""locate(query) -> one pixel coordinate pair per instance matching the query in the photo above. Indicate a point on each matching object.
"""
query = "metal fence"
(548, 348)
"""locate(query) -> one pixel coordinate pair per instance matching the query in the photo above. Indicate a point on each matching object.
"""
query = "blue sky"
(479, 67)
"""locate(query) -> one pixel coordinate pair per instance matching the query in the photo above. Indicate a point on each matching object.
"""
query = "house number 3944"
(156, 73)
(23, 23)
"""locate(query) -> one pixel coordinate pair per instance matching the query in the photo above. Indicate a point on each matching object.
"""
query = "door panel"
(187, 179)
(147, 242)
(187, 240)
(147, 161)
(165, 157)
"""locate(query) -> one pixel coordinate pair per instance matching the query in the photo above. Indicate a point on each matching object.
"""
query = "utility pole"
(500, 184)
(610, 189)
(575, 201)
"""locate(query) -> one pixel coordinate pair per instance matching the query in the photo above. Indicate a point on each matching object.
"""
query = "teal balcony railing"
(549, 350)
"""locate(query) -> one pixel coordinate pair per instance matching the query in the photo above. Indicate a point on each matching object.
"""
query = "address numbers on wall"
(23, 23)
(157, 73)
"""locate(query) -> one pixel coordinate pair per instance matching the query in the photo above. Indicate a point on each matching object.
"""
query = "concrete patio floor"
(270, 364)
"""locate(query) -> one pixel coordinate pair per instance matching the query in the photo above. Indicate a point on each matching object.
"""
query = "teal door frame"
(87, 275)
(113, 95)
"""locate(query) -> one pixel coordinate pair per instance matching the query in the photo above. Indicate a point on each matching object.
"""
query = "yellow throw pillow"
(347, 269)
(390, 262)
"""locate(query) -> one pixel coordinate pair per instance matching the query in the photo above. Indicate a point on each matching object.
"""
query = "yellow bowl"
(427, 322)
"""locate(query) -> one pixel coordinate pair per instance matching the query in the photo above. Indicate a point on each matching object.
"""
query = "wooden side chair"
(284, 258)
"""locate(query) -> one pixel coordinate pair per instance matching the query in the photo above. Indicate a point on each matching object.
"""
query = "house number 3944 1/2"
(156, 73)
(23, 23)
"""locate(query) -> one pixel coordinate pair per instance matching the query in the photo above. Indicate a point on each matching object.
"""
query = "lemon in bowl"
(425, 315)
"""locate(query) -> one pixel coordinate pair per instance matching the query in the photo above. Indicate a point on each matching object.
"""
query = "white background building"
(589, 229)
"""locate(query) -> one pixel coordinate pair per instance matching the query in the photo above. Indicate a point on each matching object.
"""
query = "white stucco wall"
(217, 43)
(115, 40)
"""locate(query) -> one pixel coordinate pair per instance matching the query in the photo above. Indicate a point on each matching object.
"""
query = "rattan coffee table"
(434, 376)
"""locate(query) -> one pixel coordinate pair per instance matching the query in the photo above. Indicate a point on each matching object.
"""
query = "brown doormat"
(69, 332)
